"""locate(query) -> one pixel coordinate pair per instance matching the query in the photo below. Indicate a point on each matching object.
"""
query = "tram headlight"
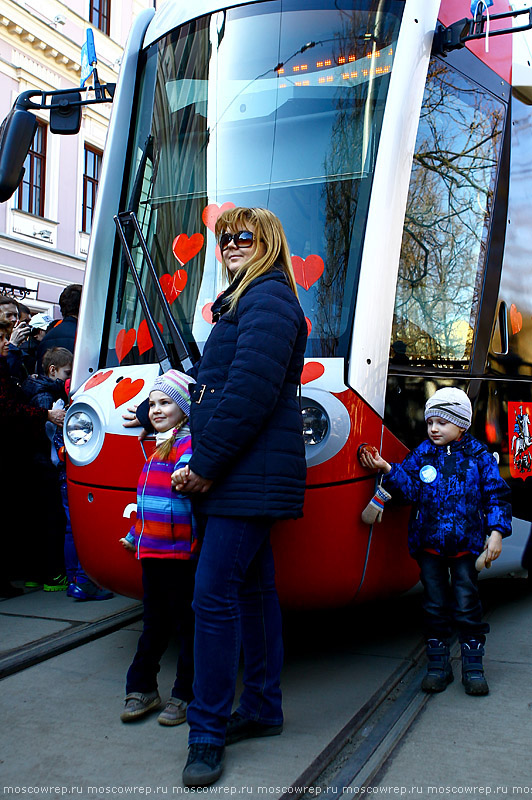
(315, 425)
(79, 428)
(326, 425)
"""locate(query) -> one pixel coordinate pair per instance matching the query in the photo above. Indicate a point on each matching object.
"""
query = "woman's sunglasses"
(240, 238)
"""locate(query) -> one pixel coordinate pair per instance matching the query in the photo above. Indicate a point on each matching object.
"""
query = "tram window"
(447, 222)
(267, 104)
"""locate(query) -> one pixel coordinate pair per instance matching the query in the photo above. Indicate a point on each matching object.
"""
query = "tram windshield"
(273, 104)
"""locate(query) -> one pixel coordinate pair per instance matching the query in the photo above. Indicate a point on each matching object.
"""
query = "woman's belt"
(199, 390)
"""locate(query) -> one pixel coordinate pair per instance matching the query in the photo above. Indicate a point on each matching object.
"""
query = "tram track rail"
(355, 756)
(78, 634)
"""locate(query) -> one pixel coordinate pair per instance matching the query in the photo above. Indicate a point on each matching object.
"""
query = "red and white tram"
(399, 167)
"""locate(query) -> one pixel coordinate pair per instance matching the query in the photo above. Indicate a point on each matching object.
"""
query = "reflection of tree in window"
(350, 162)
(447, 217)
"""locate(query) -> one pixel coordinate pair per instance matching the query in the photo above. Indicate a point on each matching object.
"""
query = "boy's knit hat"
(451, 404)
(176, 385)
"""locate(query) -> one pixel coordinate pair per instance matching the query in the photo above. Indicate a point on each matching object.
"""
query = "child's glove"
(480, 563)
(373, 511)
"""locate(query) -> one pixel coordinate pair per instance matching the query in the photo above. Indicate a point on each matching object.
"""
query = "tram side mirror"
(16, 135)
(65, 113)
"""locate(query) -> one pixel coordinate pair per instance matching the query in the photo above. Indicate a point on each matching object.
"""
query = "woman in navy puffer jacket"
(247, 469)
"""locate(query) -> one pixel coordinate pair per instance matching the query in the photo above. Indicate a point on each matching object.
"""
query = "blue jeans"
(457, 604)
(236, 605)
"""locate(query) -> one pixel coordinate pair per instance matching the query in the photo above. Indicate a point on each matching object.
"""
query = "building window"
(31, 190)
(91, 176)
(99, 14)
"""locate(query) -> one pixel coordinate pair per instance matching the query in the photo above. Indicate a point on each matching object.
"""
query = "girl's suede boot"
(439, 670)
(473, 676)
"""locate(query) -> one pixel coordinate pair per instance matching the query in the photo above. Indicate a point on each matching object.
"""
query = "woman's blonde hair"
(267, 229)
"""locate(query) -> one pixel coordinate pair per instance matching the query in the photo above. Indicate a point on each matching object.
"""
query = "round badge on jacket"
(428, 473)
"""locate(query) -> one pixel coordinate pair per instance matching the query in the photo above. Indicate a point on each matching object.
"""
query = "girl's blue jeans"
(454, 604)
(236, 606)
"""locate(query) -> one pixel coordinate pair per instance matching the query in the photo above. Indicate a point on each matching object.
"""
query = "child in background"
(44, 390)
(457, 496)
(164, 537)
(49, 391)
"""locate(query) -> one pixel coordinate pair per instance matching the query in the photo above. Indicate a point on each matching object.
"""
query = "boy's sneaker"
(88, 591)
(204, 764)
(139, 704)
(174, 713)
(57, 584)
(32, 584)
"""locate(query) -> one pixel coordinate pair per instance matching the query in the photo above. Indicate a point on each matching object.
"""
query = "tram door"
(506, 397)
(443, 316)
(463, 310)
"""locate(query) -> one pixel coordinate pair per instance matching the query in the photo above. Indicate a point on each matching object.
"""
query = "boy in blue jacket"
(458, 498)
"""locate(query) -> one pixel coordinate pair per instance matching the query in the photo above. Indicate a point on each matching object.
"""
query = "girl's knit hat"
(176, 385)
(451, 404)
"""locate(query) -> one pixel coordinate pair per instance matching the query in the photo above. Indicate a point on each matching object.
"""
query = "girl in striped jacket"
(164, 538)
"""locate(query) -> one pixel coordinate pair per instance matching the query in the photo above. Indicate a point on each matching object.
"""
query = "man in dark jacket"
(63, 334)
(22, 431)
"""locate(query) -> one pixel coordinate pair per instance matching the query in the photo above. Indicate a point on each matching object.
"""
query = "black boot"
(239, 728)
(439, 670)
(473, 676)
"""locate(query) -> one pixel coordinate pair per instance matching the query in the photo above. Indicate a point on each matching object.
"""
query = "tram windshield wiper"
(163, 356)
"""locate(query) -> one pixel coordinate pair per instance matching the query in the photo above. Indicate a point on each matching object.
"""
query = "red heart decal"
(516, 319)
(173, 285)
(125, 390)
(311, 371)
(211, 213)
(218, 253)
(206, 312)
(185, 248)
(97, 379)
(144, 340)
(309, 325)
(307, 272)
(124, 343)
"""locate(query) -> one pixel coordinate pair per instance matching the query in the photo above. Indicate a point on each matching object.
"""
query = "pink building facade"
(45, 226)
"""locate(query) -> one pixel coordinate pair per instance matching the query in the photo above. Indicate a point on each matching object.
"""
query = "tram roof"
(173, 14)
